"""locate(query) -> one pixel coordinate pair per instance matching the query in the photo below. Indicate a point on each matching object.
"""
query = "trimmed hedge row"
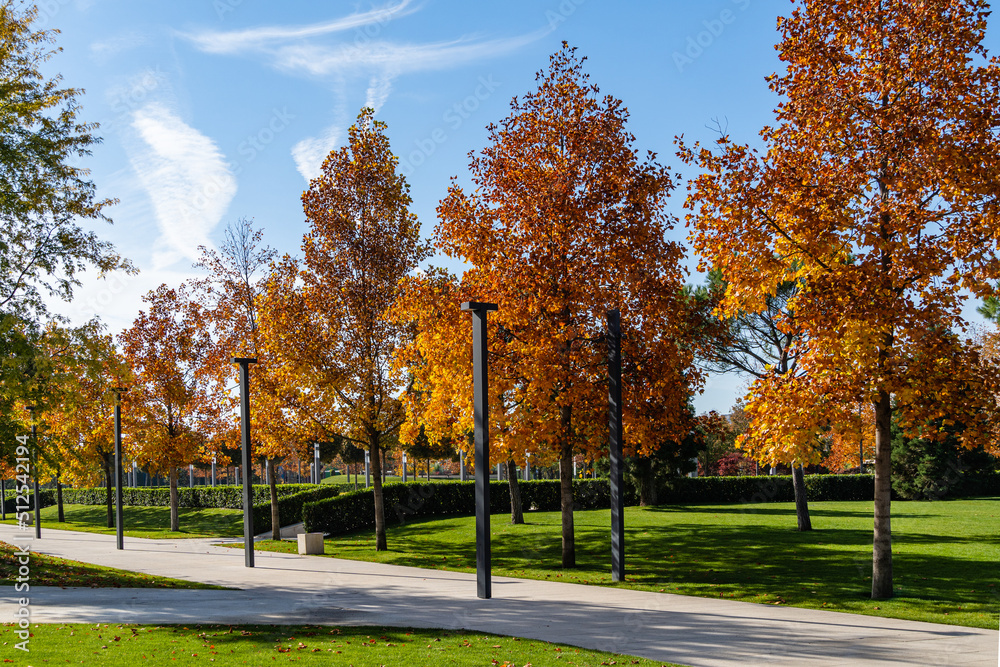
(46, 497)
(229, 497)
(290, 506)
(355, 510)
(764, 489)
(289, 503)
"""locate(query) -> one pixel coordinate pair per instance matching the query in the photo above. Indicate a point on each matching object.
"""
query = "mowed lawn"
(53, 571)
(361, 646)
(146, 521)
(945, 554)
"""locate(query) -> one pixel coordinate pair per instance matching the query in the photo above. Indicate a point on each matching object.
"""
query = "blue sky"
(216, 109)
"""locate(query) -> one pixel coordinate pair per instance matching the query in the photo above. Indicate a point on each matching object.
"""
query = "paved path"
(286, 588)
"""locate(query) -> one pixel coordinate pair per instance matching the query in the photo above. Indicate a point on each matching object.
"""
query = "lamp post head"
(479, 305)
(244, 360)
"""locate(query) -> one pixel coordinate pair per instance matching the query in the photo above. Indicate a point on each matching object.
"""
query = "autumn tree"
(46, 191)
(759, 344)
(327, 319)
(230, 296)
(79, 417)
(168, 408)
(563, 222)
(876, 190)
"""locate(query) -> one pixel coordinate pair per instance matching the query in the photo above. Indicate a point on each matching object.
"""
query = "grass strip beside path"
(113, 644)
(52, 571)
(151, 522)
(944, 554)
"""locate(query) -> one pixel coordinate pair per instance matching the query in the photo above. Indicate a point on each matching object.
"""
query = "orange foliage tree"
(230, 297)
(564, 222)
(852, 441)
(877, 192)
(327, 322)
(169, 410)
(79, 417)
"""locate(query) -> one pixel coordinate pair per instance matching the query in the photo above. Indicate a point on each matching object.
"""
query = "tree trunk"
(801, 503)
(647, 487)
(882, 543)
(516, 513)
(107, 479)
(59, 500)
(566, 491)
(428, 470)
(175, 519)
(376, 474)
(275, 516)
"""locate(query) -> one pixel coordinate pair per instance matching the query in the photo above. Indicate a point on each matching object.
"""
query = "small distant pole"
(404, 467)
(213, 470)
(247, 463)
(615, 445)
(316, 463)
(481, 413)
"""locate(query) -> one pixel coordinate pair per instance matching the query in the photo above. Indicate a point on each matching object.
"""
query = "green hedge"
(764, 489)
(355, 510)
(46, 497)
(230, 497)
(290, 506)
(291, 498)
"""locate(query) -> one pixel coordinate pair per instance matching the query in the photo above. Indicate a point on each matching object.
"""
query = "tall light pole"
(244, 364)
(481, 437)
(34, 476)
(119, 527)
(615, 445)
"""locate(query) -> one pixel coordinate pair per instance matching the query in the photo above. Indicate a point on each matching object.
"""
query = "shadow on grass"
(688, 551)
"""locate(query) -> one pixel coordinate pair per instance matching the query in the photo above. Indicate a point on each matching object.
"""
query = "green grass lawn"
(311, 645)
(945, 554)
(147, 521)
(52, 571)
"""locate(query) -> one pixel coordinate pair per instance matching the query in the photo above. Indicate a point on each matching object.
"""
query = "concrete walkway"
(286, 588)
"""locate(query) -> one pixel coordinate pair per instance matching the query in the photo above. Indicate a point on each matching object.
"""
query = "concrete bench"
(310, 543)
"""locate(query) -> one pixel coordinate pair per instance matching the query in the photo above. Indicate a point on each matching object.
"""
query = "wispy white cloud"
(105, 49)
(378, 91)
(393, 59)
(379, 61)
(241, 41)
(311, 151)
(187, 180)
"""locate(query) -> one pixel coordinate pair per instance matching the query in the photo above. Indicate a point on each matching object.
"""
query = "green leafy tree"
(43, 190)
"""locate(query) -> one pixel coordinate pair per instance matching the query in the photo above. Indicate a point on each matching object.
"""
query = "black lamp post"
(247, 466)
(119, 525)
(481, 413)
(34, 476)
(615, 445)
